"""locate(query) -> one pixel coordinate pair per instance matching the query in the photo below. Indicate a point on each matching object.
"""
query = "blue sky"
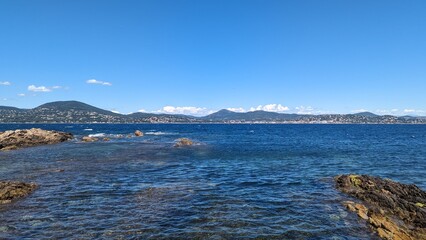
(199, 56)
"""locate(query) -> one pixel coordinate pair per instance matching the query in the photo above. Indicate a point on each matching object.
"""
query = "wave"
(88, 129)
(97, 135)
(159, 133)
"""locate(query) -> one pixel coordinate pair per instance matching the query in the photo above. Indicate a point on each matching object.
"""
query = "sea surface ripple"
(239, 182)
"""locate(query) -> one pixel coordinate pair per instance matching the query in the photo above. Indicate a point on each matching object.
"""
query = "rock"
(181, 142)
(350, 205)
(107, 139)
(15, 139)
(138, 133)
(393, 209)
(89, 139)
(361, 211)
(12, 190)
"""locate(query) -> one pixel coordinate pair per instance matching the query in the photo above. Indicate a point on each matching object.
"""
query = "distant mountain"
(261, 115)
(250, 116)
(224, 114)
(6, 108)
(60, 112)
(78, 112)
(412, 116)
(12, 114)
(168, 118)
(366, 114)
(72, 106)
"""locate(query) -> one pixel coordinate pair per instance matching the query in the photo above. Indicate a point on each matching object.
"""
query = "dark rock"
(138, 133)
(181, 142)
(12, 190)
(14, 139)
(394, 210)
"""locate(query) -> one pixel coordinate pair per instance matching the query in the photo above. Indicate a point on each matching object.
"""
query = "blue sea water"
(237, 182)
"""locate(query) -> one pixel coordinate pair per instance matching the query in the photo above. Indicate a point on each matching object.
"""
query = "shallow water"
(240, 181)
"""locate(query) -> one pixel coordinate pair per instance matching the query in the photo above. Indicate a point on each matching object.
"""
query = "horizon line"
(225, 109)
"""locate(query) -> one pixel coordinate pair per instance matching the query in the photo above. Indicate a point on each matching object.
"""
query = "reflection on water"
(244, 181)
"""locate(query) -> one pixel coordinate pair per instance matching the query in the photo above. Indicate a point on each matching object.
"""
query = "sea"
(238, 181)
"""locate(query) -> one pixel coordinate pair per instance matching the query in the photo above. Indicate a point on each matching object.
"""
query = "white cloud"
(240, 110)
(382, 111)
(197, 111)
(396, 111)
(94, 81)
(305, 110)
(5, 83)
(33, 88)
(21, 94)
(271, 108)
(415, 111)
(56, 87)
(142, 110)
(115, 111)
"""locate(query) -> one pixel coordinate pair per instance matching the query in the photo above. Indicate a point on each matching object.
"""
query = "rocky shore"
(10, 191)
(394, 210)
(21, 138)
(14, 139)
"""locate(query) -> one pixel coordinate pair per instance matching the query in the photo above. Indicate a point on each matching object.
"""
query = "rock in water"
(15, 139)
(89, 139)
(181, 142)
(138, 133)
(394, 210)
(13, 190)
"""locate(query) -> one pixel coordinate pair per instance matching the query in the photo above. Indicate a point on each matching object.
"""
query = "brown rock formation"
(15, 139)
(12, 190)
(89, 139)
(394, 210)
(138, 133)
(181, 142)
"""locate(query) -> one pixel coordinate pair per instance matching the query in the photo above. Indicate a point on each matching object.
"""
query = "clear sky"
(328, 56)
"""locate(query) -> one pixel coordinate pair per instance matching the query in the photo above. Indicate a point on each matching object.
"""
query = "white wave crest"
(159, 133)
(97, 135)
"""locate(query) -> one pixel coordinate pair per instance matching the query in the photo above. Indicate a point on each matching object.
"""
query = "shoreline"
(208, 123)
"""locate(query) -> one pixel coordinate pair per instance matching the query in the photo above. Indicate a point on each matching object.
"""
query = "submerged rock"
(15, 139)
(89, 139)
(181, 142)
(12, 190)
(394, 210)
(138, 133)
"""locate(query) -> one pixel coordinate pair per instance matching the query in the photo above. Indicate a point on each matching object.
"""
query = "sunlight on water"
(243, 181)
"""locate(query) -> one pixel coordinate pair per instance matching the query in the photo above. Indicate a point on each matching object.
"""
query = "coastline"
(204, 123)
